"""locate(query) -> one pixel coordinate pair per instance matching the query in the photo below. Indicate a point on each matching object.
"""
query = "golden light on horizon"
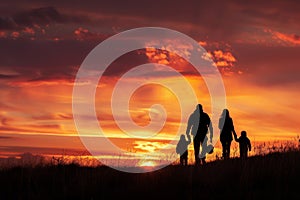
(147, 164)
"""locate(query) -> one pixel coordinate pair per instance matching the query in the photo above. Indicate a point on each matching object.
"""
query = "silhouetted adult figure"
(198, 124)
(227, 129)
(244, 144)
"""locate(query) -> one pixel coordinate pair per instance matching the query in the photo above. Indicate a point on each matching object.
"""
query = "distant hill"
(273, 176)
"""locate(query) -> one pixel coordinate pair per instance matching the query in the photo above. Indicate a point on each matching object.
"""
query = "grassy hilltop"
(274, 176)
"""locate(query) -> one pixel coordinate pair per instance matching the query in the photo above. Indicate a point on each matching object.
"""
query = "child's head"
(244, 133)
(182, 137)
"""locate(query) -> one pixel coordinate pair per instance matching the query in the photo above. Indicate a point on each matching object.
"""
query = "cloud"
(288, 39)
(84, 34)
(213, 21)
(43, 81)
(7, 23)
(53, 116)
(46, 60)
(8, 76)
(6, 121)
(29, 31)
(223, 59)
(146, 146)
(43, 16)
(226, 56)
(3, 34)
(15, 34)
(33, 128)
(5, 137)
(203, 25)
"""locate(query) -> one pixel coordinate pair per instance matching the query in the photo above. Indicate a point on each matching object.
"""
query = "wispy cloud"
(287, 39)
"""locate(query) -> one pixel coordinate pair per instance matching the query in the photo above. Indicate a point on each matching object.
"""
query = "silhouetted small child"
(244, 144)
(182, 149)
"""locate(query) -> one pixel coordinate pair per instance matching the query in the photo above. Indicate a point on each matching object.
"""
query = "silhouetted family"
(198, 125)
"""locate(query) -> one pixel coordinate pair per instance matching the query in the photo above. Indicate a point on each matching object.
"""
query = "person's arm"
(233, 130)
(221, 123)
(188, 128)
(249, 145)
(235, 136)
(211, 130)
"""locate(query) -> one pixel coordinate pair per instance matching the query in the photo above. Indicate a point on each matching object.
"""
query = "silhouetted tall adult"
(227, 129)
(198, 124)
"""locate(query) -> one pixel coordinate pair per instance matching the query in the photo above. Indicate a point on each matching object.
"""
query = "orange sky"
(42, 46)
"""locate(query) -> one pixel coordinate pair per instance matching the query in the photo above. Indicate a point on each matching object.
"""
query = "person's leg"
(181, 160)
(245, 154)
(203, 144)
(185, 157)
(223, 150)
(196, 150)
(228, 149)
(242, 155)
(241, 152)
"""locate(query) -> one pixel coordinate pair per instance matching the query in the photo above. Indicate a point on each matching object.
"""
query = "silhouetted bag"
(210, 149)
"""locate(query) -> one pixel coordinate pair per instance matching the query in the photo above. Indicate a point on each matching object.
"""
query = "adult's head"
(225, 113)
(199, 108)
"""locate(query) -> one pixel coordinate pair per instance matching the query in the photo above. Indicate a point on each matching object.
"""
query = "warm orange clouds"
(37, 108)
(84, 34)
(284, 38)
(29, 31)
(224, 59)
(290, 38)
(2, 34)
(169, 56)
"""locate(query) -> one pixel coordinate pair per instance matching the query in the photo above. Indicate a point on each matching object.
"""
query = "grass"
(272, 176)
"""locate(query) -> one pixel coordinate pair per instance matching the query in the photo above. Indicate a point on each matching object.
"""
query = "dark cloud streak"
(6, 76)
(40, 16)
(38, 59)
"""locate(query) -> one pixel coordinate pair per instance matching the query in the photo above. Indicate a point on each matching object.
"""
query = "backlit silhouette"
(182, 149)
(244, 144)
(227, 129)
(198, 124)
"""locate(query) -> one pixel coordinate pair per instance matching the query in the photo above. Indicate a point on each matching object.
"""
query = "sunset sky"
(255, 45)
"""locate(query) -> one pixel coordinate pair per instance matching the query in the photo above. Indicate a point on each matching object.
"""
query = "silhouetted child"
(182, 149)
(244, 144)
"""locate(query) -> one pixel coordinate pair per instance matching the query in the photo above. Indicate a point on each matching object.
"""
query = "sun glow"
(148, 164)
